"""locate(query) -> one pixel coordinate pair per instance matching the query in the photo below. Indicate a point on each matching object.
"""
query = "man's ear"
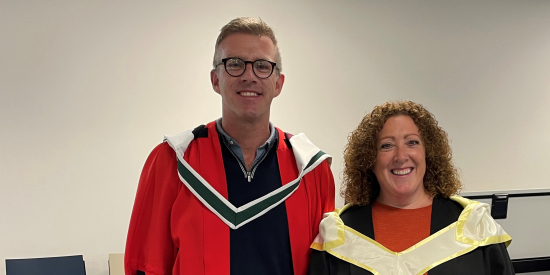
(279, 85)
(215, 80)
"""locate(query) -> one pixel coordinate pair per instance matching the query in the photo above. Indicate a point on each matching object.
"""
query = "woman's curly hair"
(360, 185)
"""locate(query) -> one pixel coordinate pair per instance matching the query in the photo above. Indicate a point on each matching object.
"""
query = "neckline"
(393, 208)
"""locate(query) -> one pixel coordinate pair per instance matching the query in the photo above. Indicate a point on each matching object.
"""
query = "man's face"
(246, 97)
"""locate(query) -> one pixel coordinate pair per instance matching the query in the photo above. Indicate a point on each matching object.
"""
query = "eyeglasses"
(235, 67)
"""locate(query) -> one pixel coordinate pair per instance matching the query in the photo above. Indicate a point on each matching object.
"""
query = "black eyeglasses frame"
(224, 62)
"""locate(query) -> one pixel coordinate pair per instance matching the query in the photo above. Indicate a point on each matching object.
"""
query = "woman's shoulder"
(447, 207)
(353, 211)
(445, 211)
(358, 217)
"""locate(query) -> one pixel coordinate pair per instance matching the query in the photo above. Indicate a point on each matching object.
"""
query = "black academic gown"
(484, 260)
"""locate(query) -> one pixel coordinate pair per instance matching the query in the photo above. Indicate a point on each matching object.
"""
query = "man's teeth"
(249, 94)
(401, 172)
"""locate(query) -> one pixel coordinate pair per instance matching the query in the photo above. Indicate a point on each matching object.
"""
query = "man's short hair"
(248, 25)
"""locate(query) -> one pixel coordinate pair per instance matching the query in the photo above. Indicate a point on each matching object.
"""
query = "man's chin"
(251, 116)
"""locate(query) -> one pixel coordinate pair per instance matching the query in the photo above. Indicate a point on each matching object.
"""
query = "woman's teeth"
(401, 172)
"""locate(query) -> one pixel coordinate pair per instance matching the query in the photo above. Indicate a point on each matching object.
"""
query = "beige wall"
(88, 88)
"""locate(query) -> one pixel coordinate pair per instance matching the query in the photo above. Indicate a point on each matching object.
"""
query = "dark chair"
(67, 265)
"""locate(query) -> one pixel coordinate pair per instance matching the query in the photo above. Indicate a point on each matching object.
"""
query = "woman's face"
(400, 163)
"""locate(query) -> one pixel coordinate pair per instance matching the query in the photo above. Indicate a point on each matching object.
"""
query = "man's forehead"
(247, 46)
(244, 35)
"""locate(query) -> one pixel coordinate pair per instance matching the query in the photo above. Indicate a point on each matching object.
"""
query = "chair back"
(67, 265)
(116, 264)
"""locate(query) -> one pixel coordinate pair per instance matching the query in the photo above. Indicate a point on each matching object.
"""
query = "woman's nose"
(401, 155)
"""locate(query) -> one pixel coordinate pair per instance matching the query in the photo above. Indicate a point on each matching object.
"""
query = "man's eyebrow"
(233, 56)
(254, 59)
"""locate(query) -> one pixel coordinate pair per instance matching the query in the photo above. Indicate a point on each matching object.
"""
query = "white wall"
(88, 88)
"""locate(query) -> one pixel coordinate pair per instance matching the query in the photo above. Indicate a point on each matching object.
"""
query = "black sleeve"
(497, 260)
(139, 272)
(319, 263)
(322, 263)
(484, 260)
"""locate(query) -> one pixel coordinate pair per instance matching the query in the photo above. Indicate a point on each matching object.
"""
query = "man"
(235, 196)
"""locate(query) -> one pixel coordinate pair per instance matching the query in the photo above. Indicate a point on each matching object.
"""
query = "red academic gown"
(172, 232)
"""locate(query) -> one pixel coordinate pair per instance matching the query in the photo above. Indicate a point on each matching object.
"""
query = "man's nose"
(248, 74)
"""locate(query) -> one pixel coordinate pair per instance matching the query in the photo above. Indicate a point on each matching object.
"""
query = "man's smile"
(247, 94)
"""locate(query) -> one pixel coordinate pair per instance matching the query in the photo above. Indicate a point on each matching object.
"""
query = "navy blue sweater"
(261, 246)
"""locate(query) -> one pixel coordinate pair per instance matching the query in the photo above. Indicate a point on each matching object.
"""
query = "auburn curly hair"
(360, 185)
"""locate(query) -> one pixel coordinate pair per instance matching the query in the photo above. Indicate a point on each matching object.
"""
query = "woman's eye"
(385, 146)
(414, 142)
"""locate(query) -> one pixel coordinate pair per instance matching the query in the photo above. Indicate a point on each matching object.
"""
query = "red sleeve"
(319, 185)
(326, 180)
(329, 189)
(149, 245)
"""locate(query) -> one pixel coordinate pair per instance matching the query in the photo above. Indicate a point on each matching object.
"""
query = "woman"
(402, 216)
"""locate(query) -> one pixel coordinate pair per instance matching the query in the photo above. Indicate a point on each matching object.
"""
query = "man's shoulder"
(166, 151)
(162, 151)
(180, 142)
(200, 131)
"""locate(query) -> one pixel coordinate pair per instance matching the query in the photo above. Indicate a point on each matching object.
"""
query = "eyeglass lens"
(237, 66)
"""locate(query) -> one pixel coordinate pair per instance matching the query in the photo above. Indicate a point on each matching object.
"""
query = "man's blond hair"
(247, 25)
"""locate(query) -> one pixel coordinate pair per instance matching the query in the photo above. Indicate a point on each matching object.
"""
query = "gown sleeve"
(497, 260)
(149, 246)
(484, 260)
(327, 190)
(318, 263)
(322, 263)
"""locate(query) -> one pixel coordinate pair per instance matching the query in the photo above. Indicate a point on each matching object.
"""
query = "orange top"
(398, 229)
